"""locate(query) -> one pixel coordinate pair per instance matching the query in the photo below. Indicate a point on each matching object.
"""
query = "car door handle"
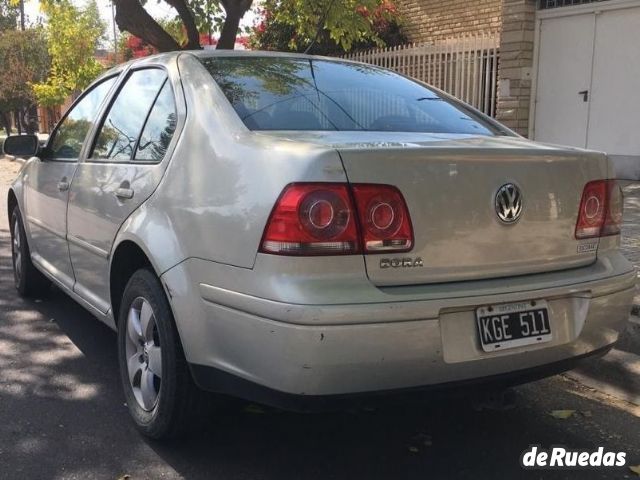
(125, 193)
(63, 186)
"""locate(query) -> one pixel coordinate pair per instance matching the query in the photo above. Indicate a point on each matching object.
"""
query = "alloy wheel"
(16, 250)
(144, 354)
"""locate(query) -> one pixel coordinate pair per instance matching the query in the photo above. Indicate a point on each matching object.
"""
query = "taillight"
(600, 210)
(384, 218)
(312, 219)
(613, 218)
(320, 219)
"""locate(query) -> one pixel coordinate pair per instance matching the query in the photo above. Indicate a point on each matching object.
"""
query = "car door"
(47, 184)
(121, 171)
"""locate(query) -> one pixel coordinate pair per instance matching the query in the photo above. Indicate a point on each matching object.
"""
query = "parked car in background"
(287, 228)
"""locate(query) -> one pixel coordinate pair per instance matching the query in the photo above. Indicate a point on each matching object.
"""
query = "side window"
(70, 134)
(121, 128)
(159, 128)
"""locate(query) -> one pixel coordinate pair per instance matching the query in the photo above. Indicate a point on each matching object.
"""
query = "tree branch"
(133, 18)
(193, 36)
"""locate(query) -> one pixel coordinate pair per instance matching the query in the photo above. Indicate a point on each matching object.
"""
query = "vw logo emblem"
(509, 203)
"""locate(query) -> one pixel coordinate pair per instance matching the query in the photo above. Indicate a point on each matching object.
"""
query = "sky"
(157, 9)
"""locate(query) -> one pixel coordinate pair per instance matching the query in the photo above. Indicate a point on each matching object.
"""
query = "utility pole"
(18, 112)
(22, 15)
(115, 35)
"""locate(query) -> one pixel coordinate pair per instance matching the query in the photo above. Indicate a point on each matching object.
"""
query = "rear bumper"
(410, 339)
(219, 381)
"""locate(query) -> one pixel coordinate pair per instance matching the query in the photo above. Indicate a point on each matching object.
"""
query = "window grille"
(545, 4)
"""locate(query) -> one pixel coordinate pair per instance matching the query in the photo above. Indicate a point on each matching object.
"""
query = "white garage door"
(588, 80)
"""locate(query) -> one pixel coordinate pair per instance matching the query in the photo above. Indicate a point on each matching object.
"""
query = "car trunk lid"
(450, 183)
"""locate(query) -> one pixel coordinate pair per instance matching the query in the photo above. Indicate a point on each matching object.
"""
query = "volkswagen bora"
(284, 227)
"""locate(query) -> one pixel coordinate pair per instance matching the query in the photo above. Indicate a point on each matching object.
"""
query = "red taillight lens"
(384, 218)
(320, 219)
(613, 219)
(312, 219)
(600, 210)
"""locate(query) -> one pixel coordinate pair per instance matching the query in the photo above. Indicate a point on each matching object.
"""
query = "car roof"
(209, 53)
(212, 53)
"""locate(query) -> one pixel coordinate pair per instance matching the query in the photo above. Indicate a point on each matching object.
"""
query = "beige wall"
(425, 20)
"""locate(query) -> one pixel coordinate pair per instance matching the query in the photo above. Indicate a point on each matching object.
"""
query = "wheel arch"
(127, 258)
(12, 202)
(145, 239)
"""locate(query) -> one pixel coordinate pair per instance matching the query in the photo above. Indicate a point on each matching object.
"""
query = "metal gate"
(466, 66)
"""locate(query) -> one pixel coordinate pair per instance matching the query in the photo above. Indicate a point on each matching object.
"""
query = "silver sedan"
(292, 229)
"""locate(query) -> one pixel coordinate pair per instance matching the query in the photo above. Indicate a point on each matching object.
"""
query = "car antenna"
(320, 25)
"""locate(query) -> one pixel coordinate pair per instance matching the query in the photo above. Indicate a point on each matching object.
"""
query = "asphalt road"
(62, 416)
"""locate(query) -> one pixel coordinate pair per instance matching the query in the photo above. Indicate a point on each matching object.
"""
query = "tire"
(28, 279)
(160, 393)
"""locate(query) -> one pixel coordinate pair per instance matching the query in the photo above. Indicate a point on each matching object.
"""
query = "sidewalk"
(9, 168)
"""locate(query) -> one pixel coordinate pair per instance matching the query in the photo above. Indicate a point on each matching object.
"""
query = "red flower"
(362, 10)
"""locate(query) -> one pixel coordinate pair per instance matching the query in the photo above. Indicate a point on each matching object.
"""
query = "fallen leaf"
(124, 477)
(255, 409)
(424, 438)
(635, 469)
(413, 449)
(562, 414)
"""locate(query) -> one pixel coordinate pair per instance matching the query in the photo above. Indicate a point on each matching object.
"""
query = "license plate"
(513, 325)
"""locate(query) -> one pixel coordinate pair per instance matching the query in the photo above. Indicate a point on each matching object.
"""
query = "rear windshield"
(303, 94)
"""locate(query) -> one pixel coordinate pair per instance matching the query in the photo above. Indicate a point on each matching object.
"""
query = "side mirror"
(21, 145)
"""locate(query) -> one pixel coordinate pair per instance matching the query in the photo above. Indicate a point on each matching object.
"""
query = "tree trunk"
(235, 10)
(16, 119)
(229, 30)
(31, 117)
(4, 120)
(133, 18)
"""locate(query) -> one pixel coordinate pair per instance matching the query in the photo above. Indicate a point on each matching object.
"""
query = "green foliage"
(73, 34)
(208, 14)
(24, 60)
(344, 25)
(8, 15)
(175, 28)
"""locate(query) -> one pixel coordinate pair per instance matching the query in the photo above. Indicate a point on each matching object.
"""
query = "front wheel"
(160, 393)
(28, 280)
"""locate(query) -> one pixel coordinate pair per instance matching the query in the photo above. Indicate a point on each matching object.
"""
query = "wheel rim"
(144, 355)
(16, 248)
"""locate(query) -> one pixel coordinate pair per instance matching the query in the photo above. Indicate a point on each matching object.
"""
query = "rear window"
(302, 94)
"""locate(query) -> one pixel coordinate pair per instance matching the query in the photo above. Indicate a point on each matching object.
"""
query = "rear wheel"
(160, 393)
(28, 280)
